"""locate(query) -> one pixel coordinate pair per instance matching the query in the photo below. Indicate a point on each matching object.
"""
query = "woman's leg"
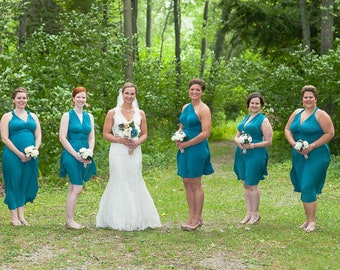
(190, 199)
(198, 199)
(71, 201)
(248, 204)
(254, 198)
(195, 199)
(21, 216)
(310, 210)
(14, 218)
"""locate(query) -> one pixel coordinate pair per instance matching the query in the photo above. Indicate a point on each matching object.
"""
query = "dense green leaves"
(89, 50)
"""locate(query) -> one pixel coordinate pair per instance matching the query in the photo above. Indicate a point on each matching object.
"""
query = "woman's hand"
(181, 145)
(131, 144)
(84, 161)
(23, 157)
(245, 146)
(309, 149)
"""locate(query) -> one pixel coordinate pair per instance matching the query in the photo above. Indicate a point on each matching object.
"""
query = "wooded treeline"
(237, 47)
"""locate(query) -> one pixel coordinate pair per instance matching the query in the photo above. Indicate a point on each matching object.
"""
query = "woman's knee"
(308, 196)
(77, 189)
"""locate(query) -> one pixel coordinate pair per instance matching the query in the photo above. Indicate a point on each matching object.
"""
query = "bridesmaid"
(193, 156)
(310, 165)
(250, 164)
(20, 129)
(76, 132)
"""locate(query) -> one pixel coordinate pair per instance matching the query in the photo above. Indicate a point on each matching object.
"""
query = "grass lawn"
(276, 243)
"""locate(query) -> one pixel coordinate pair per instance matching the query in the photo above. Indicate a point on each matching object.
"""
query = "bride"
(126, 204)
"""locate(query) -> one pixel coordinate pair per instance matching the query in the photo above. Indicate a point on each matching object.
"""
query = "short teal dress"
(77, 135)
(308, 175)
(251, 166)
(20, 178)
(195, 161)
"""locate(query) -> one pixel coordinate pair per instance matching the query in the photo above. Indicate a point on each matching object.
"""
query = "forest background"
(237, 47)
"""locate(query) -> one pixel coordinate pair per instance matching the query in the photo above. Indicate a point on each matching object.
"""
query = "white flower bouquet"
(128, 130)
(301, 145)
(179, 136)
(31, 151)
(86, 154)
(245, 139)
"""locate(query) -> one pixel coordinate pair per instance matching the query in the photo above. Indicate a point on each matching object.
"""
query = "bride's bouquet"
(301, 145)
(179, 136)
(245, 139)
(86, 154)
(128, 130)
(31, 151)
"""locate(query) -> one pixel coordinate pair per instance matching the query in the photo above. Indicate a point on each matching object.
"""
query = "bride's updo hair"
(78, 90)
(128, 85)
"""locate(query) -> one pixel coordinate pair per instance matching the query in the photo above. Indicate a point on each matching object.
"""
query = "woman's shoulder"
(139, 110)
(89, 114)
(141, 113)
(34, 115)
(66, 115)
(185, 105)
(112, 111)
(205, 108)
(319, 113)
(7, 116)
(297, 111)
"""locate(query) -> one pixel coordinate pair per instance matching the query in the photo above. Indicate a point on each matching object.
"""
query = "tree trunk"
(327, 33)
(305, 25)
(22, 25)
(163, 32)
(128, 36)
(204, 40)
(105, 22)
(134, 5)
(148, 23)
(221, 32)
(177, 25)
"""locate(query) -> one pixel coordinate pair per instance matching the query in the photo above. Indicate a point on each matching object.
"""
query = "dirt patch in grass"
(221, 261)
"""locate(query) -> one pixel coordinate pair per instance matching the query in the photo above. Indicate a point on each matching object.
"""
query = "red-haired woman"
(76, 132)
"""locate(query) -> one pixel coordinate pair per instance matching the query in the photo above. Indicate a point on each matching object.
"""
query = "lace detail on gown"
(126, 203)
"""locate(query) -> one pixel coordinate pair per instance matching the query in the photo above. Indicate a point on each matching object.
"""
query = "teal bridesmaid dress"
(77, 135)
(308, 175)
(252, 165)
(20, 178)
(195, 161)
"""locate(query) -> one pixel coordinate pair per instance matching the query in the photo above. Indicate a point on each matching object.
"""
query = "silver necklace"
(128, 111)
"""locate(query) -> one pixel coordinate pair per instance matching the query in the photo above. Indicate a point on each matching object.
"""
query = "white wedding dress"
(126, 203)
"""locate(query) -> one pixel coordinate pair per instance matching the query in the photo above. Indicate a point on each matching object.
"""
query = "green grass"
(276, 243)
